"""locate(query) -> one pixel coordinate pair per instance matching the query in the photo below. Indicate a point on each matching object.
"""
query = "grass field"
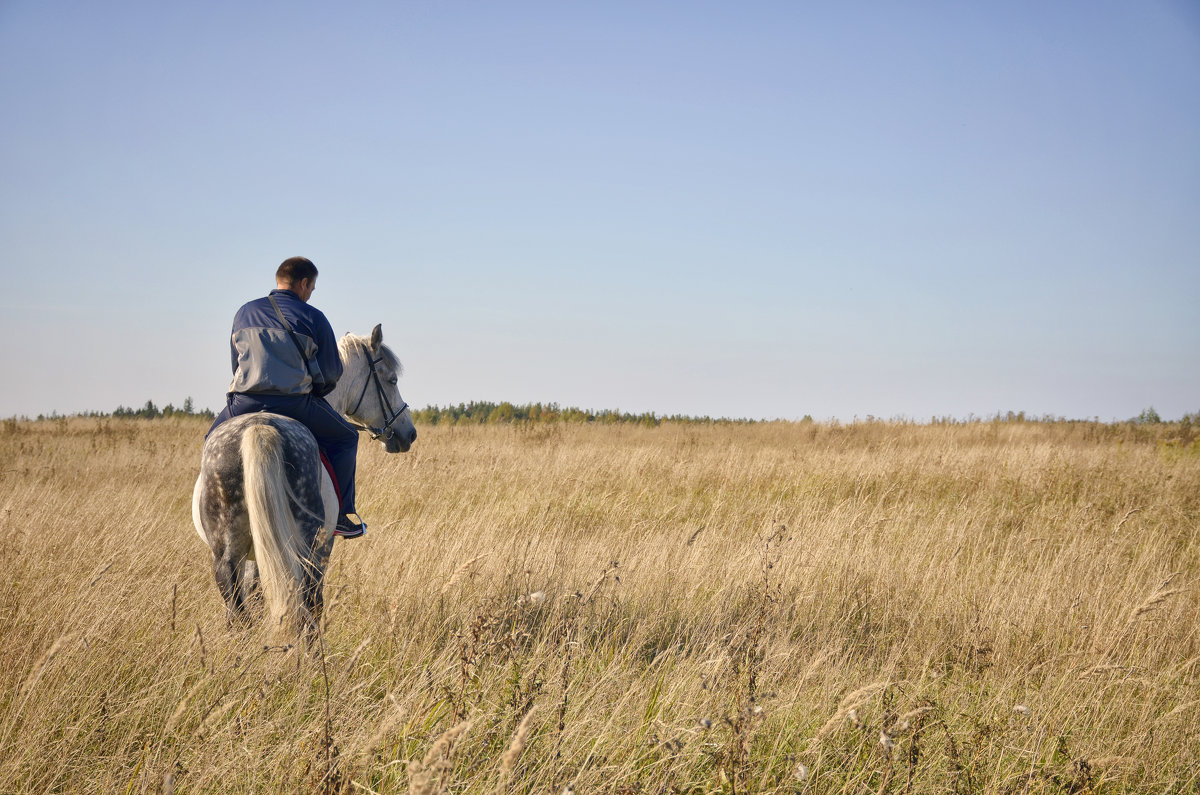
(985, 607)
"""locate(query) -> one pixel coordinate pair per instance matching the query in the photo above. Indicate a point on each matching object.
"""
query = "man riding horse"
(285, 361)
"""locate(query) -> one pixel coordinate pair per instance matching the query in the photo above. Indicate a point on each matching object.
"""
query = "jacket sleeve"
(327, 356)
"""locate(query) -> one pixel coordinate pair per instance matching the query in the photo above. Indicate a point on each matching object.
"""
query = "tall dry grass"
(770, 608)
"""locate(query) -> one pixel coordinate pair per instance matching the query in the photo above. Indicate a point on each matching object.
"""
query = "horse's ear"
(376, 337)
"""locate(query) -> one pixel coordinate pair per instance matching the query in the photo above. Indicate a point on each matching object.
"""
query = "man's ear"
(376, 337)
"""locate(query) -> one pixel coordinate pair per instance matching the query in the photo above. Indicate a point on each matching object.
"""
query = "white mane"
(350, 344)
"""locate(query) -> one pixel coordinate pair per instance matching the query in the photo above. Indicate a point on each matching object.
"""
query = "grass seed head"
(509, 760)
(887, 742)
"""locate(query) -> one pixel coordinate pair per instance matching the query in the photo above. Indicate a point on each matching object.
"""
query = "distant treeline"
(1146, 417)
(153, 412)
(483, 412)
(146, 412)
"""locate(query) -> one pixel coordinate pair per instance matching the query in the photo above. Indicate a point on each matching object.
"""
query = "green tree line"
(146, 412)
(153, 412)
(483, 412)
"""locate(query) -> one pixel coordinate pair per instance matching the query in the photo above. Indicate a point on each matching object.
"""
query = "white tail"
(276, 534)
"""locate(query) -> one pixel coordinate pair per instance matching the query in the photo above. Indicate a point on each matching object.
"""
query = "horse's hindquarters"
(264, 495)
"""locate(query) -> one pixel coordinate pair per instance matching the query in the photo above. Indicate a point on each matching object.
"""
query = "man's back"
(266, 358)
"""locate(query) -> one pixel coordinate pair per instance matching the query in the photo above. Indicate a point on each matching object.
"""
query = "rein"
(392, 416)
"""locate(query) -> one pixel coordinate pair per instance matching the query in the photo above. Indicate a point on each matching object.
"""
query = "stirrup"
(350, 528)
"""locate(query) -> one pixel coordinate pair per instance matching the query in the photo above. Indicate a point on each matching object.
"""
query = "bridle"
(392, 416)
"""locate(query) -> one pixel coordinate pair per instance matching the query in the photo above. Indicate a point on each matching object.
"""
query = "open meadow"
(779, 607)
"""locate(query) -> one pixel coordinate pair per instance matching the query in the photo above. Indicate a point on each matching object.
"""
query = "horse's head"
(369, 391)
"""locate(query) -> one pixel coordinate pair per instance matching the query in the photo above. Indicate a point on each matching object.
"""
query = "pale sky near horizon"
(759, 209)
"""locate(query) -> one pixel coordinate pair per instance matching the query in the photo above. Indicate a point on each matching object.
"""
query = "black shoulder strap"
(291, 333)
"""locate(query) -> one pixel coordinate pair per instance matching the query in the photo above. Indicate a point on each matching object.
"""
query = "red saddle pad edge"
(336, 488)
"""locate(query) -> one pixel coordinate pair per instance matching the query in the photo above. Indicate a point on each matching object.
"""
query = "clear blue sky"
(760, 209)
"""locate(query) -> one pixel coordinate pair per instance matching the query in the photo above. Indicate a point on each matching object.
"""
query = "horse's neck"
(340, 398)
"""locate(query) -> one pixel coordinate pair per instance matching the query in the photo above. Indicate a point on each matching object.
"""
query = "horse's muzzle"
(397, 443)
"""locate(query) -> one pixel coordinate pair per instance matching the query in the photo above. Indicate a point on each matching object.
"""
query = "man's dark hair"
(295, 269)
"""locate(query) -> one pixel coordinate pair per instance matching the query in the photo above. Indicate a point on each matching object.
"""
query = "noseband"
(392, 416)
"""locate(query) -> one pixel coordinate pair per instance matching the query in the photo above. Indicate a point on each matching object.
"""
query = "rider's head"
(299, 275)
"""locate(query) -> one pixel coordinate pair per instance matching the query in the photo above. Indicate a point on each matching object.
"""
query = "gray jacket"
(266, 361)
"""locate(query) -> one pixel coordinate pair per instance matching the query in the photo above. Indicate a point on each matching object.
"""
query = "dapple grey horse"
(265, 504)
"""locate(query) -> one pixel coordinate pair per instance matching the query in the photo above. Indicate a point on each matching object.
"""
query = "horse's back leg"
(229, 570)
(228, 535)
(250, 585)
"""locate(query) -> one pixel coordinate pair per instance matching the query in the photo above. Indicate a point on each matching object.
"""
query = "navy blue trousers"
(336, 437)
